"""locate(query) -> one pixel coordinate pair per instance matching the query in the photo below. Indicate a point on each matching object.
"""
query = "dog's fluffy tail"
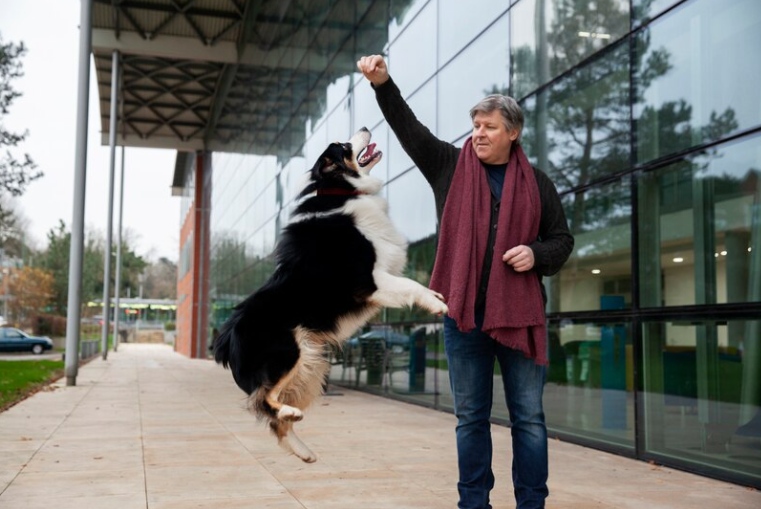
(225, 341)
(233, 351)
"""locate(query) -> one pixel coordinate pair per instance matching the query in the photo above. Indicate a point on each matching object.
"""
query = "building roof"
(226, 75)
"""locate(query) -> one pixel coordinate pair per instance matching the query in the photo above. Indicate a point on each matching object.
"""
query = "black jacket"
(437, 160)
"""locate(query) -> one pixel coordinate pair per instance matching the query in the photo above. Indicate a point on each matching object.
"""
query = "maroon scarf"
(514, 313)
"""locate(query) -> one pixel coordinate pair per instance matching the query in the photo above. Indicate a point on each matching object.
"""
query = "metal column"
(118, 279)
(109, 226)
(78, 219)
(201, 184)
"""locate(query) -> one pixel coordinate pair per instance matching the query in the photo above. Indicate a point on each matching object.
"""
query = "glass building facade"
(647, 116)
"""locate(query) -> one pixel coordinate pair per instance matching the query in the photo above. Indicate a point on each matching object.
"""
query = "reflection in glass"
(551, 36)
(402, 13)
(597, 276)
(698, 219)
(413, 212)
(700, 228)
(643, 10)
(407, 360)
(702, 399)
(688, 91)
(480, 70)
(578, 129)
(590, 381)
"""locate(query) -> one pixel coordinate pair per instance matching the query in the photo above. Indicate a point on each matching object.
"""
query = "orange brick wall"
(193, 296)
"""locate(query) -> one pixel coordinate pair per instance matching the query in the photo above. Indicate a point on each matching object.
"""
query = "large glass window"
(597, 276)
(551, 36)
(697, 217)
(419, 40)
(402, 13)
(413, 212)
(578, 129)
(700, 228)
(693, 83)
(423, 104)
(371, 30)
(590, 381)
(702, 392)
(366, 113)
(480, 70)
(407, 360)
(339, 123)
(460, 22)
(411, 206)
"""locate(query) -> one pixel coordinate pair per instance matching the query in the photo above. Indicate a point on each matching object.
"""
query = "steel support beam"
(110, 213)
(118, 279)
(156, 141)
(190, 48)
(76, 249)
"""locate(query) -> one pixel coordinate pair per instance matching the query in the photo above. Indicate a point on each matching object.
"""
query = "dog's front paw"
(442, 309)
(434, 303)
(289, 413)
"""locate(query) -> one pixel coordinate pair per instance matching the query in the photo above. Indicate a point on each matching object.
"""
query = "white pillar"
(118, 280)
(110, 215)
(73, 314)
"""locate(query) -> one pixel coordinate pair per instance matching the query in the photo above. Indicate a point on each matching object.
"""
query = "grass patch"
(20, 379)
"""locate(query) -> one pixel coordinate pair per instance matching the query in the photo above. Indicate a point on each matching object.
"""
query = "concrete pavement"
(151, 429)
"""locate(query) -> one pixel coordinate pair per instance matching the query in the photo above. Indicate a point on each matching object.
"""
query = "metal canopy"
(228, 75)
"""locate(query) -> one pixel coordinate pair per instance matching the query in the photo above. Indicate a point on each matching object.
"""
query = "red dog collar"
(338, 192)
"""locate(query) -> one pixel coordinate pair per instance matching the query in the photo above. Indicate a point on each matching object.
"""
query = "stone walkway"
(151, 429)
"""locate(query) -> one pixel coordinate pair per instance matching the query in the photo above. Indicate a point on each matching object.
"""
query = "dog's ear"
(324, 165)
(329, 161)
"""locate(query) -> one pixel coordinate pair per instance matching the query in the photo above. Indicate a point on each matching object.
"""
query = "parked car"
(14, 340)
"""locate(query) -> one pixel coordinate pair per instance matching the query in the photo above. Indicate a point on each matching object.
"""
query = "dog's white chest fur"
(370, 214)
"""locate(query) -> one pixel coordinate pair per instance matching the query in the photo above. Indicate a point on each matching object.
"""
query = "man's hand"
(521, 258)
(374, 69)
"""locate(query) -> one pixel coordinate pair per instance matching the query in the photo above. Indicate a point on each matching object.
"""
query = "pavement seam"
(214, 417)
(47, 439)
(142, 437)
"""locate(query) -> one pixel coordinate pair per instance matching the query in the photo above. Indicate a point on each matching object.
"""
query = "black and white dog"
(339, 261)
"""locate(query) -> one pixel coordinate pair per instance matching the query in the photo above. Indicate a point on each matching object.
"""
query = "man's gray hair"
(512, 114)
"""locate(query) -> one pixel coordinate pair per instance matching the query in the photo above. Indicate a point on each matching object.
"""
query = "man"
(502, 228)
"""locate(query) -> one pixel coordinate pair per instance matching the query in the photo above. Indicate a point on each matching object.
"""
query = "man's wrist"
(377, 85)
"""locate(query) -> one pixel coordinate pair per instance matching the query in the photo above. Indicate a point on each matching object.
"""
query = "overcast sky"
(49, 28)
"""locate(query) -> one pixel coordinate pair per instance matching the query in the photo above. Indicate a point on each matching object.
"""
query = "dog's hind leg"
(273, 398)
(302, 384)
(288, 440)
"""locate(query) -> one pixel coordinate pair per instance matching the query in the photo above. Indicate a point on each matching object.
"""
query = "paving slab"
(148, 428)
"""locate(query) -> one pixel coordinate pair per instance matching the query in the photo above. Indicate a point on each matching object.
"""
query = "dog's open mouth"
(368, 155)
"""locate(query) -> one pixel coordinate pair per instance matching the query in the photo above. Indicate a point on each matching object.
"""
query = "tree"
(160, 280)
(56, 260)
(13, 230)
(578, 129)
(32, 291)
(15, 174)
(133, 265)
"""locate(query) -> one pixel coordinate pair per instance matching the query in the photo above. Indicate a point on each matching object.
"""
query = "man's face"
(491, 139)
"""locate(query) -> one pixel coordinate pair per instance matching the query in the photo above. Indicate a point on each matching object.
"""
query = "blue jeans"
(471, 374)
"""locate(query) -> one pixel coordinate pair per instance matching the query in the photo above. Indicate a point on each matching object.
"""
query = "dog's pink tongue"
(369, 151)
